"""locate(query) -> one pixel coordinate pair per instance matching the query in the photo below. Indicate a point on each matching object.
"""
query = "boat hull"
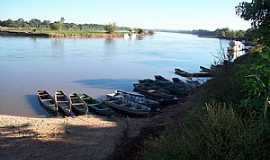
(79, 111)
(62, 103)
(47, 101)
(104, 112)
(126, 110)
(51, 109)
(95, 106)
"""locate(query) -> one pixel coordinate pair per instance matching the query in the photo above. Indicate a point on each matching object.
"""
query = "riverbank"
(214, 109)
(61, 34)
(83, 137)
(90, 137)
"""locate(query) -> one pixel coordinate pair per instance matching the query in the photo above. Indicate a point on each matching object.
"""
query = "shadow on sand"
(122, 84)
(23, 141)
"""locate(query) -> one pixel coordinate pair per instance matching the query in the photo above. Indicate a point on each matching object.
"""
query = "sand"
(84, 137)
(81, 138)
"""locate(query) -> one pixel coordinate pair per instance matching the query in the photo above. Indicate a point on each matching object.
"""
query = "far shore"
(62, 34)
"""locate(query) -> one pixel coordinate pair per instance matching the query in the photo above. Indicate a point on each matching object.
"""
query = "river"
(94, 66)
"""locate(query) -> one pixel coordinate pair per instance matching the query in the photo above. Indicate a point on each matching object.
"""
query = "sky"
(150, 14)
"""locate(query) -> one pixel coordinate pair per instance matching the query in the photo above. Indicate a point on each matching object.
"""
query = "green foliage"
(139, 30)
(60, 25)
(255, 81)
(110, 28)
(246, 83)
(257, 11)
(55, 26)
(35, 23)
(214, 133)
(230, 34)
(224, 33)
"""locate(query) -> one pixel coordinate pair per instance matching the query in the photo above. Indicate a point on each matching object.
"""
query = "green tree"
(20, 22)
(258, 12)
(55, 26)
(110, 28)
(35, 23)
(139, 31)
(46, 23)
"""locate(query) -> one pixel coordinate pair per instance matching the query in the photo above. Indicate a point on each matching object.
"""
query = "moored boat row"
(96, 106)
(81, 103)
(127, 103)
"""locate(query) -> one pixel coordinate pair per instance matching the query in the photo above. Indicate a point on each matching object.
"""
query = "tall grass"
(216, 132)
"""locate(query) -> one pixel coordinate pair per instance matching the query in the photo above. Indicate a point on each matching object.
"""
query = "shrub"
(255, 82)
(215, 133)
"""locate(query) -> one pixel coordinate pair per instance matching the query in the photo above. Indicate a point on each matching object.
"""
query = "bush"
(215, 133)
(255, 81)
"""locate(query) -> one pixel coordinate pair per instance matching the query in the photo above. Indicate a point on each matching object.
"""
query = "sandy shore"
(84, 137)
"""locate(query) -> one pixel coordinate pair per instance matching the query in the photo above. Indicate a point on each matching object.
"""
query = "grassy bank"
(230, 120)
(59, 34)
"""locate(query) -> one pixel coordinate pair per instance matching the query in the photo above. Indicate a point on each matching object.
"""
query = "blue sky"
(163, 14)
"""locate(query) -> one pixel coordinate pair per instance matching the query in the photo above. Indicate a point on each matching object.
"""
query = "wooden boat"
(156, 95)
(128, 108)
(204, 69)
(62, 103)
(136, 98)
(160, 78)
(47, 101)
(187, 74)
(77, 104)
(119, 102)
(96, 106)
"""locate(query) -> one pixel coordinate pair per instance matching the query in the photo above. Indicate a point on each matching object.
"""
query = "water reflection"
(57, 46)
(109, 41)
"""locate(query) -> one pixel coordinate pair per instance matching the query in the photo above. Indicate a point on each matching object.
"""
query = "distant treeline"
(224, 33)
(57, 25)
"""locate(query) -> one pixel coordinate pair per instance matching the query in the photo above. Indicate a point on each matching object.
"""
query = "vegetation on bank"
(231, 119)
(62, 29)
(45, 25)
(223, 33)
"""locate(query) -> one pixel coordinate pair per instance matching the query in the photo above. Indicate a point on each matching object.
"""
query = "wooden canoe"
(77, 105)
(187, 74)
(47, 101)
(96, 106)
(62, 102)
(127, 108)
